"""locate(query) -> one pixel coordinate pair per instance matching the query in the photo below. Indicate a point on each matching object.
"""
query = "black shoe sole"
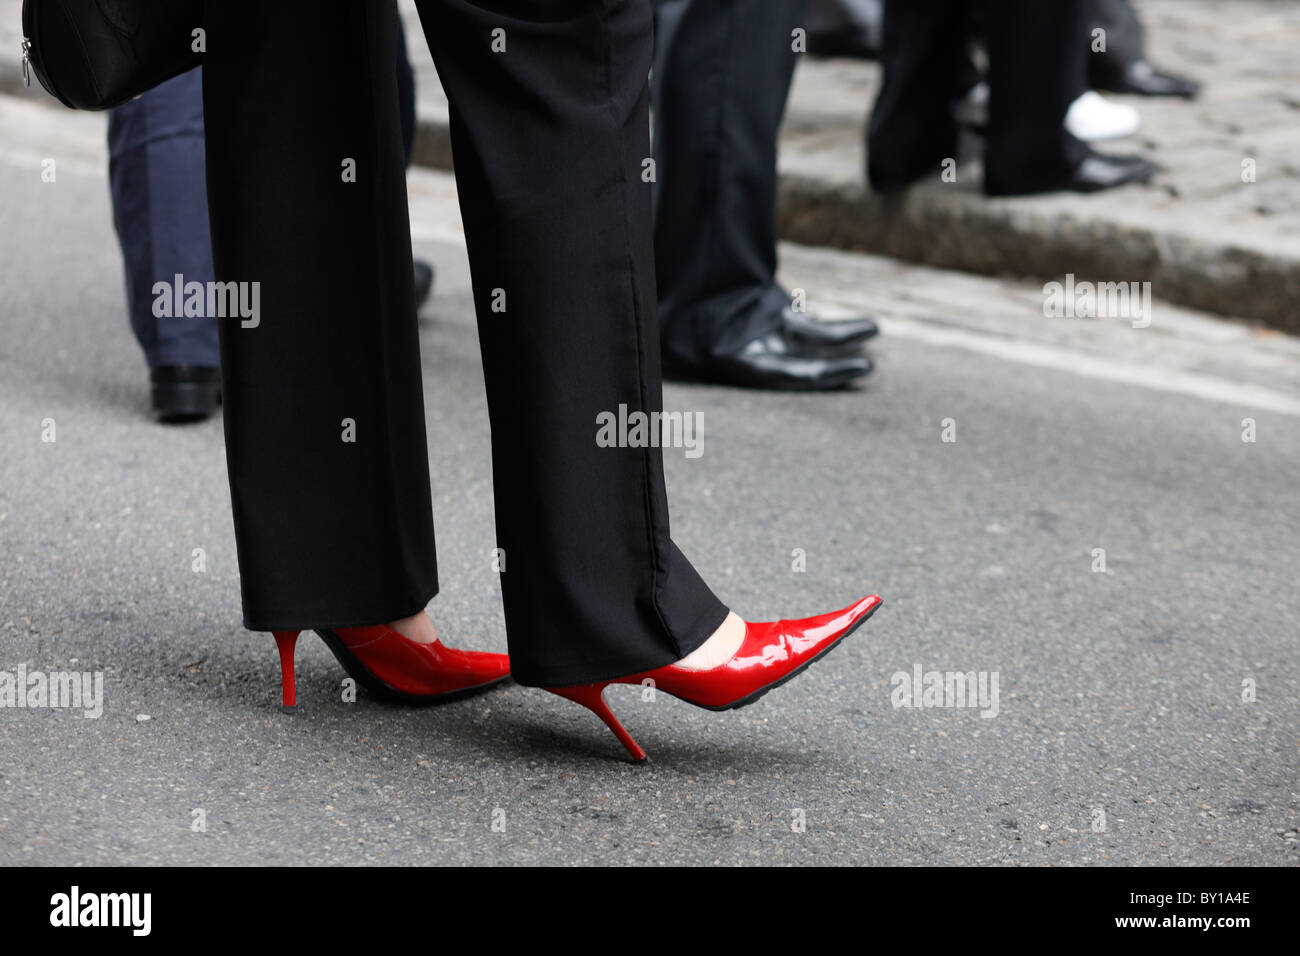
(185, 401)
(1140, 178)
(362, 675)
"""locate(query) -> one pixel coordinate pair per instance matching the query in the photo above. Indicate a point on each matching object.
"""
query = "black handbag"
(95, 54)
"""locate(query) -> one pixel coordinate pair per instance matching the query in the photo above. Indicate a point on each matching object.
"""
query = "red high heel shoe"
(770, 655)
(391, 665)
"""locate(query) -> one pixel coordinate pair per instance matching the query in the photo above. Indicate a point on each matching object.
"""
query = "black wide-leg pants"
(722, 75)
(323, 405)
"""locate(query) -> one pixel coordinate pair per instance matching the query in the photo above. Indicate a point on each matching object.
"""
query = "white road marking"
(1172, 380)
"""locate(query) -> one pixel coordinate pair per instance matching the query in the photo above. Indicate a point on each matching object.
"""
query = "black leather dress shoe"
(771, 361)
(423, 282)
(825, 339)
(1141, 78)
(1097, 172)
(185, 393)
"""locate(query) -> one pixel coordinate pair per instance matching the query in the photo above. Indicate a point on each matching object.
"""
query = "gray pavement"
(1121, 693)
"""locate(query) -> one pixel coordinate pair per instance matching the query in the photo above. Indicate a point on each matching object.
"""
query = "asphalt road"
(1121, 735)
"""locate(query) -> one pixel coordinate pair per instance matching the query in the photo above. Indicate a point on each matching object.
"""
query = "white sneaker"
(1092, 118)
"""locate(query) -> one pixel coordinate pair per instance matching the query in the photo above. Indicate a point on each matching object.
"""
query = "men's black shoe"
(185, 393)
(772, 362)
(1097, 172)
(825, 338)
(423, 282)
(1141, 78)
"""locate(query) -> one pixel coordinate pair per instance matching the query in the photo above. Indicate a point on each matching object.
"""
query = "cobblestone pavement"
(1203, 236)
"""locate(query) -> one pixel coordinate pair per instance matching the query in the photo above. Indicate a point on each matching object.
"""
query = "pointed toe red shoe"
(771, 654)
(391, 665)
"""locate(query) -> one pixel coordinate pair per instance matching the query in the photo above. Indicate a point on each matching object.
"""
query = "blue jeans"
(160, 208)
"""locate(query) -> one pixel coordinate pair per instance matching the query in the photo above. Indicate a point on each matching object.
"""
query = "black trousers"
(722, 74)
(1036, 65)
(323, 406)
(156, 156)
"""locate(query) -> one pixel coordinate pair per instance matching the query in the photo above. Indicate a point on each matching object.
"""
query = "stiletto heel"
(592, 696)
(285, 641)
(770, 655)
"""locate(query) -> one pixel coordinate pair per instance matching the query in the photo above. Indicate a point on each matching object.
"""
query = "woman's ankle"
(418, 627)
(720, 647)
